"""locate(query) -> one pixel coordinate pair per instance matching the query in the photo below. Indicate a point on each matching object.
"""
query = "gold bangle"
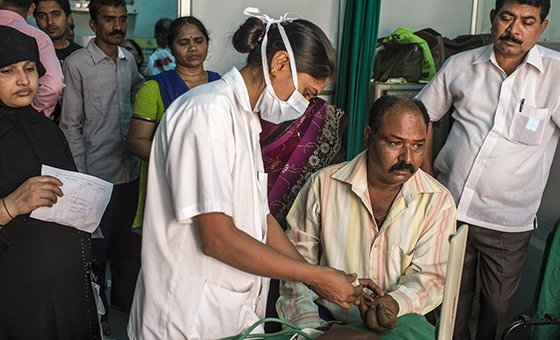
(6, 208)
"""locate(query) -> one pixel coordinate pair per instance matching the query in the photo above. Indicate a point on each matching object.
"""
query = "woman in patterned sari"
(292, 151)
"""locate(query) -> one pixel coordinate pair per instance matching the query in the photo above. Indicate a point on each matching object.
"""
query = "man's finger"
(372, 320)
(385, 317)
(363, 307)
(368, 283)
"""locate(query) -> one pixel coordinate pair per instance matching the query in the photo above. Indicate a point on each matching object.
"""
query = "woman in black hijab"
(45, 279)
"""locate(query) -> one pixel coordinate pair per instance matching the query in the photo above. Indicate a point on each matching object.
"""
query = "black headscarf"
(16, 47)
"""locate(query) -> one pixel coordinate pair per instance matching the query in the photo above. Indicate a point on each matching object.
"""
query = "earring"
(274, 71)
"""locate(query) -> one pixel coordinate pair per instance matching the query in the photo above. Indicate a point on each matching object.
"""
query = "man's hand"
(368, 283)
(381, 314)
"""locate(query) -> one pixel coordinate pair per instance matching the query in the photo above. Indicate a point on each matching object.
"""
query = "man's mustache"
(403, 166)
(511, 38)
(117, 32)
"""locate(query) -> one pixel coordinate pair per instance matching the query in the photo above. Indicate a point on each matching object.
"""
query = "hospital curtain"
(355, 67)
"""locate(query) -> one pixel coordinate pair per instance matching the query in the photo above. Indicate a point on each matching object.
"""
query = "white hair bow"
(255, 12)
(287, 17)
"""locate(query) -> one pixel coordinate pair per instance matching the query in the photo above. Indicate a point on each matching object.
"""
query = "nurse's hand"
(336, 286)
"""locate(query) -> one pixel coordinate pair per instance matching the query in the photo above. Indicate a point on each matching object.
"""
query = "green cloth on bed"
(409, 327)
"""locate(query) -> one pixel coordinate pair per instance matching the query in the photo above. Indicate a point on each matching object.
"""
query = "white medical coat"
(205, 158)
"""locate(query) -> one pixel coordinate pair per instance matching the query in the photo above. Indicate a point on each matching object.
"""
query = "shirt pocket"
(528, 126)
(222, 312)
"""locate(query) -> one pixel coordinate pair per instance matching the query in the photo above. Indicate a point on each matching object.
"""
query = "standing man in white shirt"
(497, 158)
(96, 111)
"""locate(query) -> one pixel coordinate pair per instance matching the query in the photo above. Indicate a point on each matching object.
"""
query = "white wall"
(449, 17)
(223, 17)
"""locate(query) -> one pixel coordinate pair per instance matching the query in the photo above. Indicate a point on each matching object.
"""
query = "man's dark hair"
(543, 4)
(162, 26)
(64, 4)
(95, 6)
(382, 105)
(21, 4)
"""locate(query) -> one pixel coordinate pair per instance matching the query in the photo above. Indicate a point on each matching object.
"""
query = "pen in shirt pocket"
(521, 105)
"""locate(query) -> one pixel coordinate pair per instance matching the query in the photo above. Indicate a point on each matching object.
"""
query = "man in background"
(161, 59)
(497, 158)
(96, 111)
(13, 13)
(53, 17)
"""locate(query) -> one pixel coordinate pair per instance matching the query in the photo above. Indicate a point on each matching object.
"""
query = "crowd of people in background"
(223, 182)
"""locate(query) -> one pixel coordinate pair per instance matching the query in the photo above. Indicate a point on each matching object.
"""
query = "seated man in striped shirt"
(377, 215)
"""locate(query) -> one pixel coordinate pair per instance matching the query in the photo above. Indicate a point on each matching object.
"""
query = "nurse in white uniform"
(209, 243)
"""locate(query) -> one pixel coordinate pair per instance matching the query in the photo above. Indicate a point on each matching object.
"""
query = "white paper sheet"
(83, 204)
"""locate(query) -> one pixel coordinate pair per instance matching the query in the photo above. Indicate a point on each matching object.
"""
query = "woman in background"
(294, 150)
(188, 41)
(45, 277)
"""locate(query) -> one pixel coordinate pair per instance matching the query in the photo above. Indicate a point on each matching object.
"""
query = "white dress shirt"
(498, 154)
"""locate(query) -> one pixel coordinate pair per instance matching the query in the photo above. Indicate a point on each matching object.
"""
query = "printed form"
(85, 199)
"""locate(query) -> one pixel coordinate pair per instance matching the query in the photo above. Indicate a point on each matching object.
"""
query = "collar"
(235, 80)
(11, 15)
(486, 55)
(354, 173)
(98, 55)
(533, 57)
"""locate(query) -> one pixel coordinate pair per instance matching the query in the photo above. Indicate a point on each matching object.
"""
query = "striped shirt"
(331, 223)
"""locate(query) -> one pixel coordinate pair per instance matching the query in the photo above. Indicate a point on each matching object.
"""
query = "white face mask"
(272, 108)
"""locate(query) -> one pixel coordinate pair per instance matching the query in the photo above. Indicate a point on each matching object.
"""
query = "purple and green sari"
(294, 150)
